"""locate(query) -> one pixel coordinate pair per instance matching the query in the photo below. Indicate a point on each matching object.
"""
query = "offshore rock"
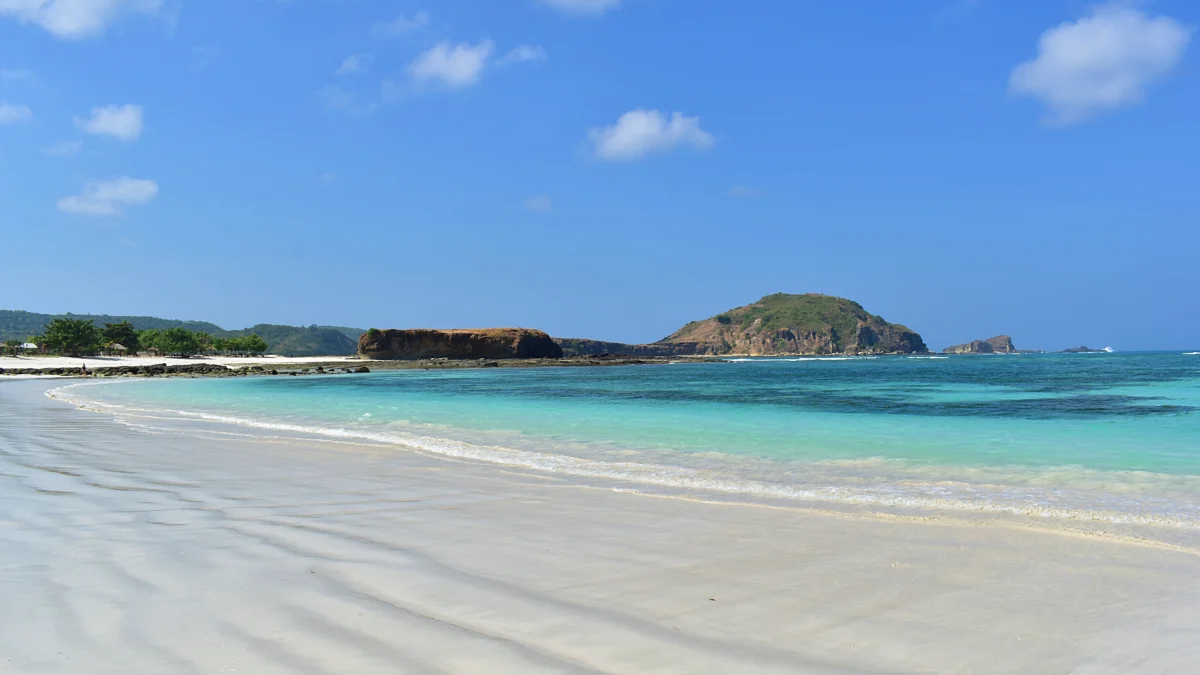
(462, 343)
(1001, 344)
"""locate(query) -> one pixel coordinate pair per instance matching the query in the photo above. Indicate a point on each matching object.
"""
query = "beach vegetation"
(73, 337)
(123, 334)
(312, 340)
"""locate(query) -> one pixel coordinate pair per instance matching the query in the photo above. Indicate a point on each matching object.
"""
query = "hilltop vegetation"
(795, 324)
(777, 324)
(284, 340)
(782, 323)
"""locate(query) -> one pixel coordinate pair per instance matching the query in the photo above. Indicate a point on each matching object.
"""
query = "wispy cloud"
(119, 121)
(454, 66)
(12, 74)
(11, 113)
(355, 63)
(401, 25)
(639, 133)
(523, 54)
(583, 7)
(340, 99)
(745, 192)
(457, 66)
(65, 149)
(76, 19)
(106, 198)
(204, 56)
(1105, 60)
(539, 204)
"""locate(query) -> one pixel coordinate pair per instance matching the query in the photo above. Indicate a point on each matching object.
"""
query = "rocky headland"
(1001, 344)
(458, 344)
(780, 324)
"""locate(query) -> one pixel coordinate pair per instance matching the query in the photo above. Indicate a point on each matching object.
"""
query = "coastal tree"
(178, 341)
(254, 344)
(148, 339)
(73, 337)
(12, 345)
(123, 334)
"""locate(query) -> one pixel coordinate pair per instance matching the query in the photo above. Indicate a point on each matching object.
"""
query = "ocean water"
(1099, 437)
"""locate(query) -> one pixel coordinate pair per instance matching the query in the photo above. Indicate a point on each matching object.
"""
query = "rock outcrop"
(585, 347)
(1001, 344)
(487, 343)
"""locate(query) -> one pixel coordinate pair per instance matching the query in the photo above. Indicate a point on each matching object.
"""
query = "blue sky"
(606, 168)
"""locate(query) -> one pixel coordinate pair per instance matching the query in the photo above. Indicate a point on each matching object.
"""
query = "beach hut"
(28, 347)
(116, 349)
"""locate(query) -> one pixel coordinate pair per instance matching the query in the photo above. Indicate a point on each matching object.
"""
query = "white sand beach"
(136, 550)
(93, 362)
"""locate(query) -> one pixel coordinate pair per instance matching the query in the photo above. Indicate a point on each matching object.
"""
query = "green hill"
(777, 324)
(794, 324)
(284, 340)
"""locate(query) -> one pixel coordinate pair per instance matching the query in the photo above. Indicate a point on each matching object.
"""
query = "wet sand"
(134, 550)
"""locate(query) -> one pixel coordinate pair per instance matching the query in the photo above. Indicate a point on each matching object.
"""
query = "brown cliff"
(459, 343)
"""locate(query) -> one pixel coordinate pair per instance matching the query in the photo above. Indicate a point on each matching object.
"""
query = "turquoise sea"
(1111, 437)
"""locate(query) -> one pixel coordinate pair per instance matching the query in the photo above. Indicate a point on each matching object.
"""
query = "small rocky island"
(782, 324)
(459, 344)
(1001, 344)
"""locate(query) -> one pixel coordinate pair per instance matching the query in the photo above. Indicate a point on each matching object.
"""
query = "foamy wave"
(972, 490)
(1191, 353)
(799, 359)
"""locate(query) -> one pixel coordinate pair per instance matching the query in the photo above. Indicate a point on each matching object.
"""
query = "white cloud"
(1104, 60)
(453, 65)
(204, 56)
(594, 7)
(14, 74)
(65, 149)
(334, 97)
(642, 132)
(745, 192)
(539, 204)
(119, 121)
(11, 114)
(74, 19)
(524, 54)
(401, 25)
(355, 63)
(106, 198)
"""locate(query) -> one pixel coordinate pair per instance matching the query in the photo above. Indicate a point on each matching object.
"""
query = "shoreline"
(667, 477)
(277, 555)
(235, 366)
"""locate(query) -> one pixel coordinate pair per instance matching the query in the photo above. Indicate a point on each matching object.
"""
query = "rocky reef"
(1001, 344)
(486, 343)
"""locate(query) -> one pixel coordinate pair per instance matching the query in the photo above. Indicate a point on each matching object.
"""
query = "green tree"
(72, 337)
(123, 334)
(205, 341)
(148, 339)
(179, 341)
(12, 345)
(254, 344)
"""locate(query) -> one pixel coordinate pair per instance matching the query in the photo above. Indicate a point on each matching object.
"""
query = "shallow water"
(1110, 437)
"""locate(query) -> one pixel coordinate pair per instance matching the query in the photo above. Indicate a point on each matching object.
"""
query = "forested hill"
(285, 340)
